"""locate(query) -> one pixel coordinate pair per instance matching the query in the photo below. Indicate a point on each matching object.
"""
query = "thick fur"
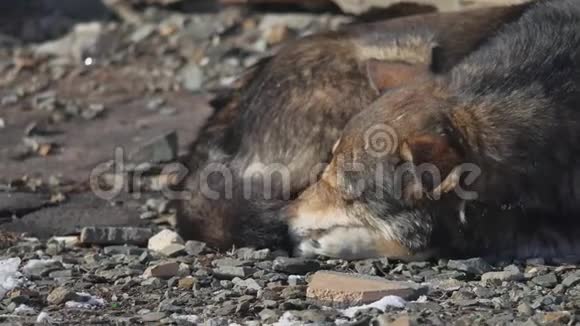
(511, 109)
(291, 109)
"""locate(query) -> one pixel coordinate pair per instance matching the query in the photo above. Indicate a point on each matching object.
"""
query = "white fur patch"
(305, 222)
(344, 243)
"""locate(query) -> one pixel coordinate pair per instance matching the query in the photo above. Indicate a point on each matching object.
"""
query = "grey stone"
(447, 275)
(61, 295)
(216, 322)
(160, 149)
(70, 217)
(229, 272)
(293, 292)
(115, 235)
(117, 273)
(195, 248)
(155, 103)
(54, 248)
(512, 268)
(270, 303)
(474, 266)
(148, 215)
(547, 280)
(294, 280)
(227, 308)
(83, 39)
(243, 307)
(39, 267)
(123, 250)
(9, 99)
(144, 257)
(142, 32)
(295, 265)
(191, 77)
(293, 304)
(507, 276)
(228, 284)
(173, 250)
(265, 265)
(67, 273)
(571, 279)
(249, 283)
(153, 316)
(559, 289)
(230, 262)
(545, 301)
(448, 285)
(268, 294)
(269, 316)
(366, 267)
(152, 282)
(253, 254)
(482, 292)
(463, 295)
(93, 258)
(158, 205)
(314, 316)
(201, 28)
(525, 309)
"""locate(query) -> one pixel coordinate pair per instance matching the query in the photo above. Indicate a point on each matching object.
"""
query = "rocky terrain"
(93, 102)
(167, 281)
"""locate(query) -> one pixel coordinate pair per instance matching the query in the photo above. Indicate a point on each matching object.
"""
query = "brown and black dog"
(482, 160)
(273, 139)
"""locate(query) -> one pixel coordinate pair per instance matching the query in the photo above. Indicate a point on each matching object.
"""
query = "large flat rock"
(70, 217)
(344, 289)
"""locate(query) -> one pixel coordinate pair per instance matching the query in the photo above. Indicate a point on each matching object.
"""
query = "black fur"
(513, 109)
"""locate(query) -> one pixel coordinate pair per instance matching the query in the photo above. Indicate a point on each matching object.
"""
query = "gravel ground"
(67, 284)
(68, 102)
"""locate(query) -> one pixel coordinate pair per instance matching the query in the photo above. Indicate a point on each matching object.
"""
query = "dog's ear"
(384, 75)
(433, 158)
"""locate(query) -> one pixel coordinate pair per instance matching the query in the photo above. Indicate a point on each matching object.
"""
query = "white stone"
(388, 301)
(86, 301)
(9, 275)
(163, 239)
(69, 241)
